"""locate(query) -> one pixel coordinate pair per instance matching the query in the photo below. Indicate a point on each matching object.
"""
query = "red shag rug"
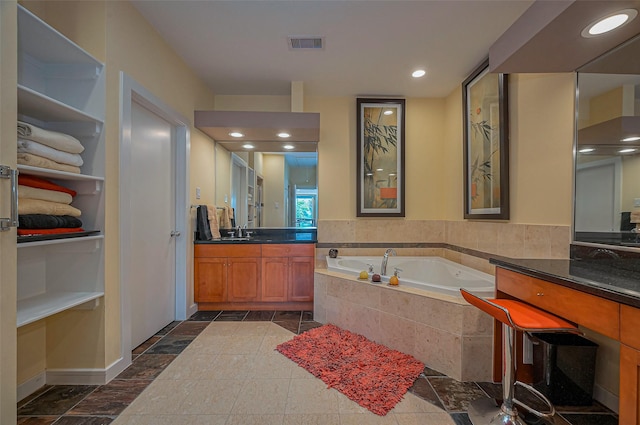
(370, 374)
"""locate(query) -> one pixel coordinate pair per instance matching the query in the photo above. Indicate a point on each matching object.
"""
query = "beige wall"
(223, 176)
(273, 172)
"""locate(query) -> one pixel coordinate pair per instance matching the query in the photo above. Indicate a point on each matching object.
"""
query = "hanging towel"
(53, 139)
(41, 162)
(213, 221)
(29, 146)
(225, 222)
(203, 231)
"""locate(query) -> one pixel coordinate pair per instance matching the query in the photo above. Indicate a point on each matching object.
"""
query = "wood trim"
(629, 325)
(227, 250)
(257, 306)
(288, 250)
(629, 382)
(593, 312)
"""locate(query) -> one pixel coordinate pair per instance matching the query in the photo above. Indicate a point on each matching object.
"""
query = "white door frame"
(132, 91)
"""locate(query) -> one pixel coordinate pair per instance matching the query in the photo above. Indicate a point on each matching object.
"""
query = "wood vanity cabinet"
(629, 365)
(287, 272)
(226, 273)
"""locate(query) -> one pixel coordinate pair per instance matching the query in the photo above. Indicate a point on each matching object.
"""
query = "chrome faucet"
(385, 258)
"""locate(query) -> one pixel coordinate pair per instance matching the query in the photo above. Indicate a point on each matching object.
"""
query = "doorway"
(153, 216)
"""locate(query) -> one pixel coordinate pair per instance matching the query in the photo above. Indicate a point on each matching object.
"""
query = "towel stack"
(635, 217)
(44, 207)
(48, 149)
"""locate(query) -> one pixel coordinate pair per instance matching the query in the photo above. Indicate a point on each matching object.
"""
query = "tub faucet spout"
(385, 258)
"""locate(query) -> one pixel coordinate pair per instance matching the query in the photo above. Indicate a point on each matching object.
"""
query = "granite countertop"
(614, 279)
(287, 235)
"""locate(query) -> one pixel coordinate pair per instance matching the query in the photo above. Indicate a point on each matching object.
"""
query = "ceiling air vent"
(305, 42)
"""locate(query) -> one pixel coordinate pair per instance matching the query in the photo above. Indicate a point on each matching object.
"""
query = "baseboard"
(606, 397)
(85, 376)
(30, 386)
(191, 310)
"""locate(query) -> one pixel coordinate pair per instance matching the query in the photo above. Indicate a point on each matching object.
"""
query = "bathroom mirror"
(607, 168)
(268, 189)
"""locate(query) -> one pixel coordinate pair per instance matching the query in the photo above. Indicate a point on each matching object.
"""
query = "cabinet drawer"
(226, 250)
(629, 325)
(288, 250)
(590, 311)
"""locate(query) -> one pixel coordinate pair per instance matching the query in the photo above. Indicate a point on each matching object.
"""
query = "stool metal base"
(486, 411)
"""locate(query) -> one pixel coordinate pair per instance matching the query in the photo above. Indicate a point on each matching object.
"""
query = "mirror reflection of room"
(268, 189)
(607, 181)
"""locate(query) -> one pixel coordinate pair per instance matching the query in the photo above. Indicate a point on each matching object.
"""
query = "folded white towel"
(60, 141)
(35, 148)
(41, 162)
(43, 194)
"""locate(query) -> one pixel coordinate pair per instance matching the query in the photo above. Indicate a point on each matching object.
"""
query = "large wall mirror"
(268, 189)
(607, 169)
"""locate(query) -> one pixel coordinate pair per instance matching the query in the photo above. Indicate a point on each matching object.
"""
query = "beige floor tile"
(256, 420)
(367, 418)
(161, 397)
(311, 396)
(254, 328)
(225, 344)
(299, 372)
(312, 419)
(215, 397)
(221, 328)
(170, 420)
(348, 406)
(272, 365)
(189, 366)
(229, 366)
(413, 404)
(269, 342)
(424, 419)
(262, 396)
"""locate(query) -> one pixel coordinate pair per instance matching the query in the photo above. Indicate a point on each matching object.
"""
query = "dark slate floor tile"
(167, 328)
(36, 394)
(493, 390)
(592, 419)
(307, 316)
(204, 315)
(84, 420)
(456, 395)
(423, 389)
(595, 407)
(287, 315)
(290, 325)
(145, 345)
(188, 329)
(305, 326)
(431, 372)
(36, 420)
(171, 344)
(461, 419)
(231, 316)
(110, 399)
(57, 400)
(259, 316)
(147, 366)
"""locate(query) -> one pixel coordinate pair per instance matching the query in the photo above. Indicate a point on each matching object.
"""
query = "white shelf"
(58, 175)
(77, 239)
(45, 108)
(44, 305)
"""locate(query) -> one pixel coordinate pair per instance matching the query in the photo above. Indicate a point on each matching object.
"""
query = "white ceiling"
(240, 47)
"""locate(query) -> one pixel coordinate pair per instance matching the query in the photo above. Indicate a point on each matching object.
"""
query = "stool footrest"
(540, 396)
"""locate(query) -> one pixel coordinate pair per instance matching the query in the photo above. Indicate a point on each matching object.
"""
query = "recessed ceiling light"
(392, 174)
(288, 147)
(369, 174)
(388, 111)
(586, 150)
(248, 146)
(236, 134)
(418, 73)
(626, 150)
(284, 135)
(379, 169)
(609, 23)
(630, 139)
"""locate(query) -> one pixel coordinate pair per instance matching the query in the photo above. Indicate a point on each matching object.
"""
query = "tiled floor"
(227, 372)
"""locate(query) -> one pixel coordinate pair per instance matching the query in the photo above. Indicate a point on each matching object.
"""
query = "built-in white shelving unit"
(62, 88)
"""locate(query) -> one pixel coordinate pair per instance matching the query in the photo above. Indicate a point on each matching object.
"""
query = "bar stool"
(514, 316)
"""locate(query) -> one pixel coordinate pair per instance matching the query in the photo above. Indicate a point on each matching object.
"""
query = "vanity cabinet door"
(274, 279)
(211, 279)
(629, 386)
(243, 279)
(301, 278)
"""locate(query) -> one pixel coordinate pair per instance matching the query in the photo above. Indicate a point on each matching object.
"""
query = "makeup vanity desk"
(602, 295)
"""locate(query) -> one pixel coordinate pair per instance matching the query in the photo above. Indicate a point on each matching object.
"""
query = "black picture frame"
(485, 100)
(381, 151)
